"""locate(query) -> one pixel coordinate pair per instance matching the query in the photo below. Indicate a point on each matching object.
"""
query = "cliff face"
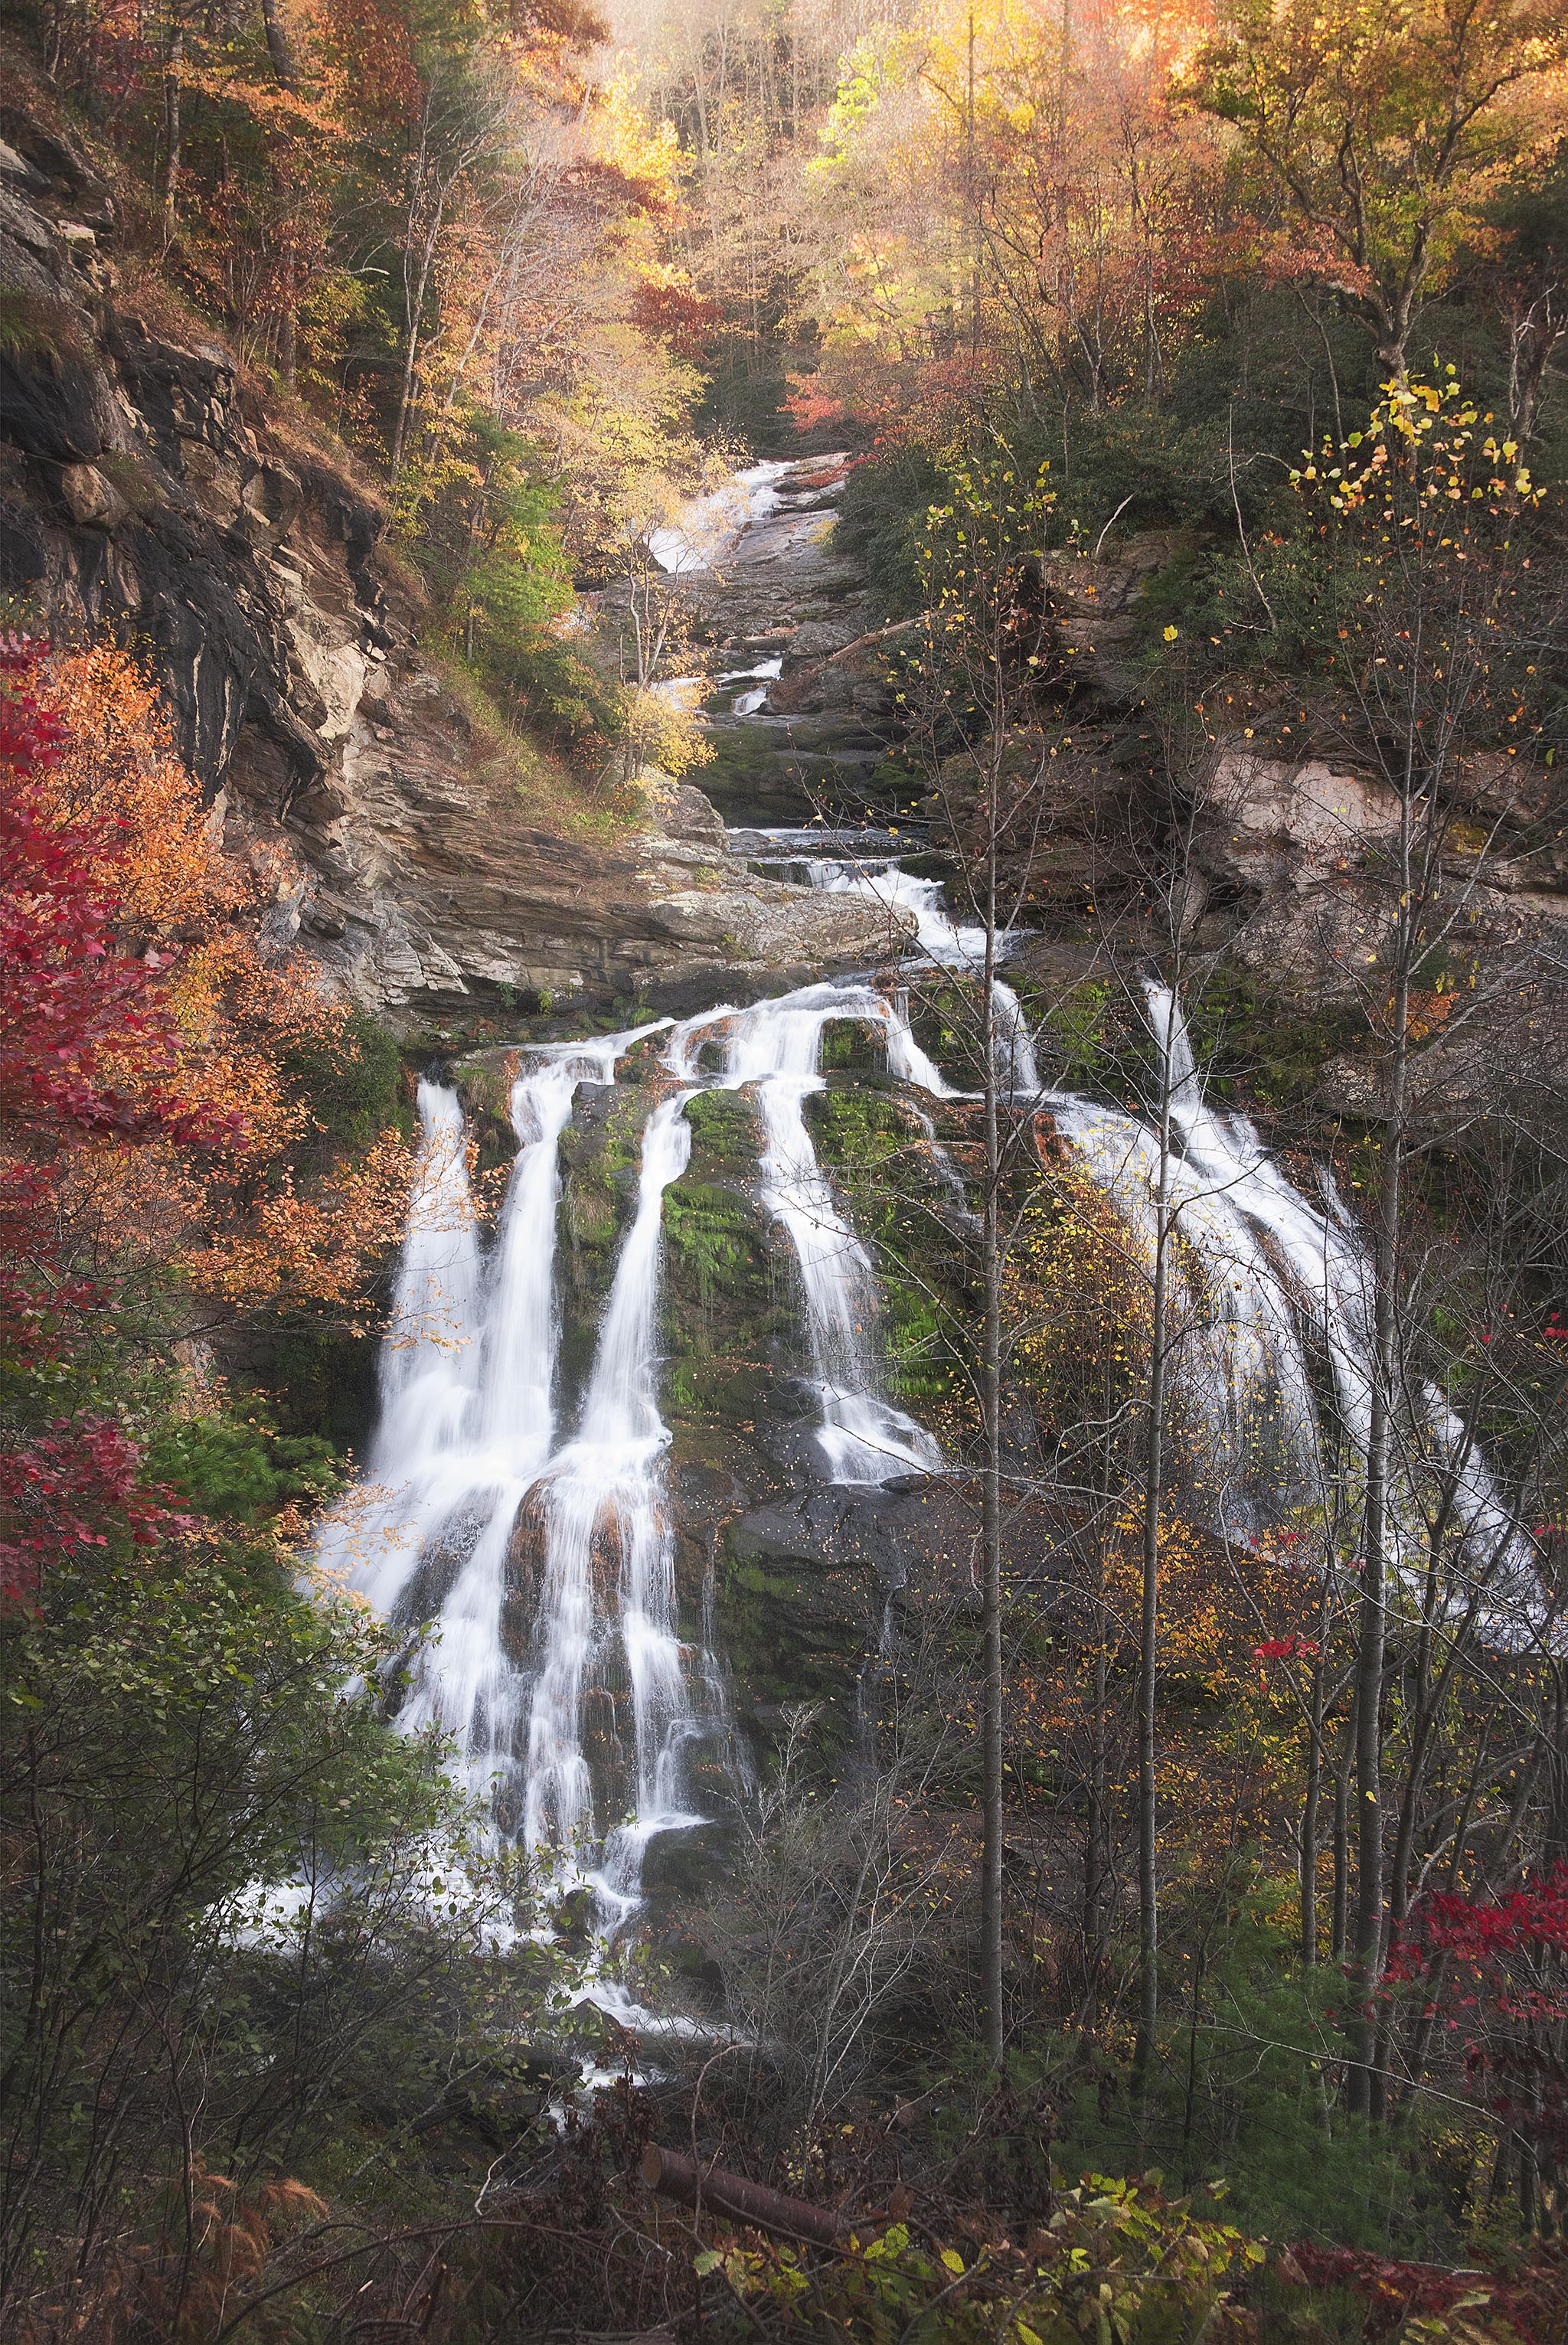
(150, 488)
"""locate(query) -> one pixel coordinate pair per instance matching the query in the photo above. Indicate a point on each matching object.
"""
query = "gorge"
(783, 1173)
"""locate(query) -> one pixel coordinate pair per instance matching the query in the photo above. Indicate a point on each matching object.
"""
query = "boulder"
(1274, 823)
(765, 924)
(92, 501)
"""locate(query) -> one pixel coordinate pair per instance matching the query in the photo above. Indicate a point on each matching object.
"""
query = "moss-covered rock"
(879, 1158)
(712, 1243)
(725, 1137)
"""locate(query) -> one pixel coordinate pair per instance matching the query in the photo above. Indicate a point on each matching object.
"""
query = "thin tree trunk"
(277, 44)
(282, 56)
(991, 1404)
(1341, 1924)
(416, 277)
(1148, 1611)
(1095, 1825)
(1372, 1627)
(169, 169)
(410, 364)
(1309, 1806)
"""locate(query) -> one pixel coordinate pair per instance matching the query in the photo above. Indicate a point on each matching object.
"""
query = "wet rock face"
(758, 925)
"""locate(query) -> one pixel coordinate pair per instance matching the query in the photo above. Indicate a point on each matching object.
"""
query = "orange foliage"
(238, 1009)
(312, 1250)
(230, 1219)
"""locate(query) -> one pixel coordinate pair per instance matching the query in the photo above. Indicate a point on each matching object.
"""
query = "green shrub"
(349, 1080)
(238, 1469)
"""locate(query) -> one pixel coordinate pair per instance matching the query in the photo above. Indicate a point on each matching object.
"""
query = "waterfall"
(880, 880)
(710, 524)
(775, 1048)
(609, 1535)
(427, 1368)
(462, 1679)
(583, 1721)
(467, 1430)
(1255, 1265)
(427, 1373)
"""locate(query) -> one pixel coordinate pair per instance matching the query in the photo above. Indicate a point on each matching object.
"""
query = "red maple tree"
(87, 1046)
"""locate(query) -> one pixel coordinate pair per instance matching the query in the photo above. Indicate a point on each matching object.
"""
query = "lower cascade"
(533, 1544)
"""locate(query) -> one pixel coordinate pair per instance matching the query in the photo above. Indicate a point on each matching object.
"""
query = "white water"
(775, 1051)
(428, 1370)
(467, 1432)
(471, 1478)
(711, 524)
(544, 1556)
(609, 1568)
(1259, 1272)
(879, 879)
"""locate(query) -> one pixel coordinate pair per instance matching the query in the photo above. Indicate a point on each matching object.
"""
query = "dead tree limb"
(710, 2188)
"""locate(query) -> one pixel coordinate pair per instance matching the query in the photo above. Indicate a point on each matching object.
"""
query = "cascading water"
(428, 1372)
(775, 1048)
(1269, 1258)
(463, 1681)
(609, 1536)
(585, 1725)
(879, 879)
(467, 1431)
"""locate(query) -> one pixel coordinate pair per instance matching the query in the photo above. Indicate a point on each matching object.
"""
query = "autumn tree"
(1424, 523)
(1382, 133)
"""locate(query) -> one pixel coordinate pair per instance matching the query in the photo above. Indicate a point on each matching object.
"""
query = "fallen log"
(675, 2175)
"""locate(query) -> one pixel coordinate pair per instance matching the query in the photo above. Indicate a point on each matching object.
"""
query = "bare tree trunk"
(990, 1403)
(277, 44)
(282, 56)
(1310, 1815)
(1375, 1571)
(1341, 1939)
(418, 266)
(168, 168)
(410, 359)
(1149, 1607)
(1095, 1827)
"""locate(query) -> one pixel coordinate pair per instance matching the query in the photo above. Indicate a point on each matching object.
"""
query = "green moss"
(724, 1133)
(1264, 1042)
(866, 1141)
(1079, 1028)
(791, 1631)
(322, 1381)
(711, 1390)
(711, 1239)
(859, 1129)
